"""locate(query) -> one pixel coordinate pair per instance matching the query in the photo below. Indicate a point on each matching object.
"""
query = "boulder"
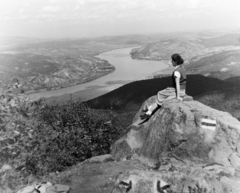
(199, 143)
(181, 130)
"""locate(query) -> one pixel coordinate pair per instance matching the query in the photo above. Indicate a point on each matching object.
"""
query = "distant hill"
(224, 40)
(90, 46)
(52, 70)
(217, 57)
(220, 65)
(188, 47)
(162, 50)
(12, 42)
(15, 40)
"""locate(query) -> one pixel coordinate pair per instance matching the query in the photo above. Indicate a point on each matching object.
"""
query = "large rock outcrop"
(186, 139)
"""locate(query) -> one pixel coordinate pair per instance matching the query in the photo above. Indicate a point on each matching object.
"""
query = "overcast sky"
(89, 18)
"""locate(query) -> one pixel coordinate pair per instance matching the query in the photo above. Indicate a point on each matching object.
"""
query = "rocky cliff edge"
(186, 146)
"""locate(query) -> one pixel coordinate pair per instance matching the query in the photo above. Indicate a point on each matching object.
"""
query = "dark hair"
(178, 59)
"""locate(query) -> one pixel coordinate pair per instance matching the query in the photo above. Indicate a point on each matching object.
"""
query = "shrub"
(68, 135)
(16, 126)
(37, 138)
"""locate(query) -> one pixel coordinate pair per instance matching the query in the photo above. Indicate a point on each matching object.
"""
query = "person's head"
(177, 60)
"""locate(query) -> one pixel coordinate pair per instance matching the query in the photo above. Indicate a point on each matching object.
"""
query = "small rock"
(5, 167)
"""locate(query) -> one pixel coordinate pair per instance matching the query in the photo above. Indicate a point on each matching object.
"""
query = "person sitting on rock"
(177, 91)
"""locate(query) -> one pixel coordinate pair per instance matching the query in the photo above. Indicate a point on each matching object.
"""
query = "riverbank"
(87, 80)
(73, 84)
(126, 70)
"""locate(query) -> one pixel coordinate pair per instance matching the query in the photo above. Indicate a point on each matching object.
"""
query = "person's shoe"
(145, 116)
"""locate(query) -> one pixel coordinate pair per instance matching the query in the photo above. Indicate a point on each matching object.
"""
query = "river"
(127, 70)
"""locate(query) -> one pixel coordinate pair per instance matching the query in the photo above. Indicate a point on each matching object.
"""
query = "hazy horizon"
(94, 18)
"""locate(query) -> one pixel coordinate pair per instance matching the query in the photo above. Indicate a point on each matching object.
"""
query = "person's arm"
(177, 81)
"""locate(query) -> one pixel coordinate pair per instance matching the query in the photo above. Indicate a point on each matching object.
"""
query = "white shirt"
(176, 73)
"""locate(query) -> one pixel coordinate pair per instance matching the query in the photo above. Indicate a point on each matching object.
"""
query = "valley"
(52, 64)
(45, 66)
